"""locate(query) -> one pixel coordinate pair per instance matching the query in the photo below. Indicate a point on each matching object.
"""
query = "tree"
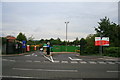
(90, 44)
(109, 29)
(42, 41)
(58, 41)
(76, 42)
(21, 37)
(82, 45)
(104, 25)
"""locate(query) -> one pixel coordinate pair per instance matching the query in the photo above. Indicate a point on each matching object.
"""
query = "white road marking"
(12, 60)
(47, 58)
(111, 63)
(92, 62)
(4, 59)
(73, 59)
(74, 62)
(46, 70)
(51, 59)
(18, 77)
(83, 62)
(37, 61)
(111, 59)
(56, 61)
(27, 55)
(113, 71)
(101, 62)
(33, 54)
(118, 62)
(28, 61)
(9, 60)
(64, 62)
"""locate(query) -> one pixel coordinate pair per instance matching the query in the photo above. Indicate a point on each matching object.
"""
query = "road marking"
(113, 71)
(28, 61)
(8, 60)
(64, 61)
(110, 62)
(101, 62)
(37, 61)
(18, 77)
(118, 62)
(74, 62)
(73, 59)
(92, 62)
(111, 59)
(56, 61)
(27, 55)
(47, 58)
(4, 59)
(83, 62)
(46, 70)
(33, 54)
(50, 59)
(12, 60)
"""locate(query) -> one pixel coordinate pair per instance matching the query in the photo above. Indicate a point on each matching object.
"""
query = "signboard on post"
(104, 41)
(23, 44)
(97, 41)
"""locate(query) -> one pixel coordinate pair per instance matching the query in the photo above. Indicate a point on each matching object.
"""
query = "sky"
(45, 20)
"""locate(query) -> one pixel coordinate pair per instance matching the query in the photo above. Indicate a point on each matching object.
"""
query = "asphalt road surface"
(59, 66)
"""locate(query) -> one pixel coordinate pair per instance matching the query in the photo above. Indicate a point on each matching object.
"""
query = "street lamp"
(66, 34)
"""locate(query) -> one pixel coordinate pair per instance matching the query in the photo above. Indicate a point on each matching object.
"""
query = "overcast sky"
(47, 19)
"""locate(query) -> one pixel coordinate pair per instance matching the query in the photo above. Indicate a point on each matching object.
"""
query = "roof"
(10, 37)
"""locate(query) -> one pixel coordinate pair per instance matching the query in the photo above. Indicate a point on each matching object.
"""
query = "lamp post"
(66, 34)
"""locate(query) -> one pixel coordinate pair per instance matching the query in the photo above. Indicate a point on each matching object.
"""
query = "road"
(59, 66)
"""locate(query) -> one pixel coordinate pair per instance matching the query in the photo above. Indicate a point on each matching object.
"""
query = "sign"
(28, 47)
(104, 41)
(23, 44)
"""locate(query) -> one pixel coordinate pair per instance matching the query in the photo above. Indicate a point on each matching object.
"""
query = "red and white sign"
(28, 47)
(102, 42)
(35, 48)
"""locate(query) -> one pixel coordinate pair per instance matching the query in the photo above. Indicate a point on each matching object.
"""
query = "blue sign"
(23, 44)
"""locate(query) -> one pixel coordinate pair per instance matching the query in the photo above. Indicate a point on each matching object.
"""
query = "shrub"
(112, 51)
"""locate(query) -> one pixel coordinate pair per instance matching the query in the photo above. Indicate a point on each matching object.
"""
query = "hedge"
(112, 51)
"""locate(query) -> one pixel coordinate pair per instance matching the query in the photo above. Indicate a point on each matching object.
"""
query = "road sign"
(23, 44)
(104, 41)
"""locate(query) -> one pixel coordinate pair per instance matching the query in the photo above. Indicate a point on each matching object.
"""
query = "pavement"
(59, 66)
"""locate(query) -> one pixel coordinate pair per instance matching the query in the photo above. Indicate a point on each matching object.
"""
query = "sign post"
(101, 41)
(24, 46)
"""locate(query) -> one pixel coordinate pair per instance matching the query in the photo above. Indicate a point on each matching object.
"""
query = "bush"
(112, 51)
